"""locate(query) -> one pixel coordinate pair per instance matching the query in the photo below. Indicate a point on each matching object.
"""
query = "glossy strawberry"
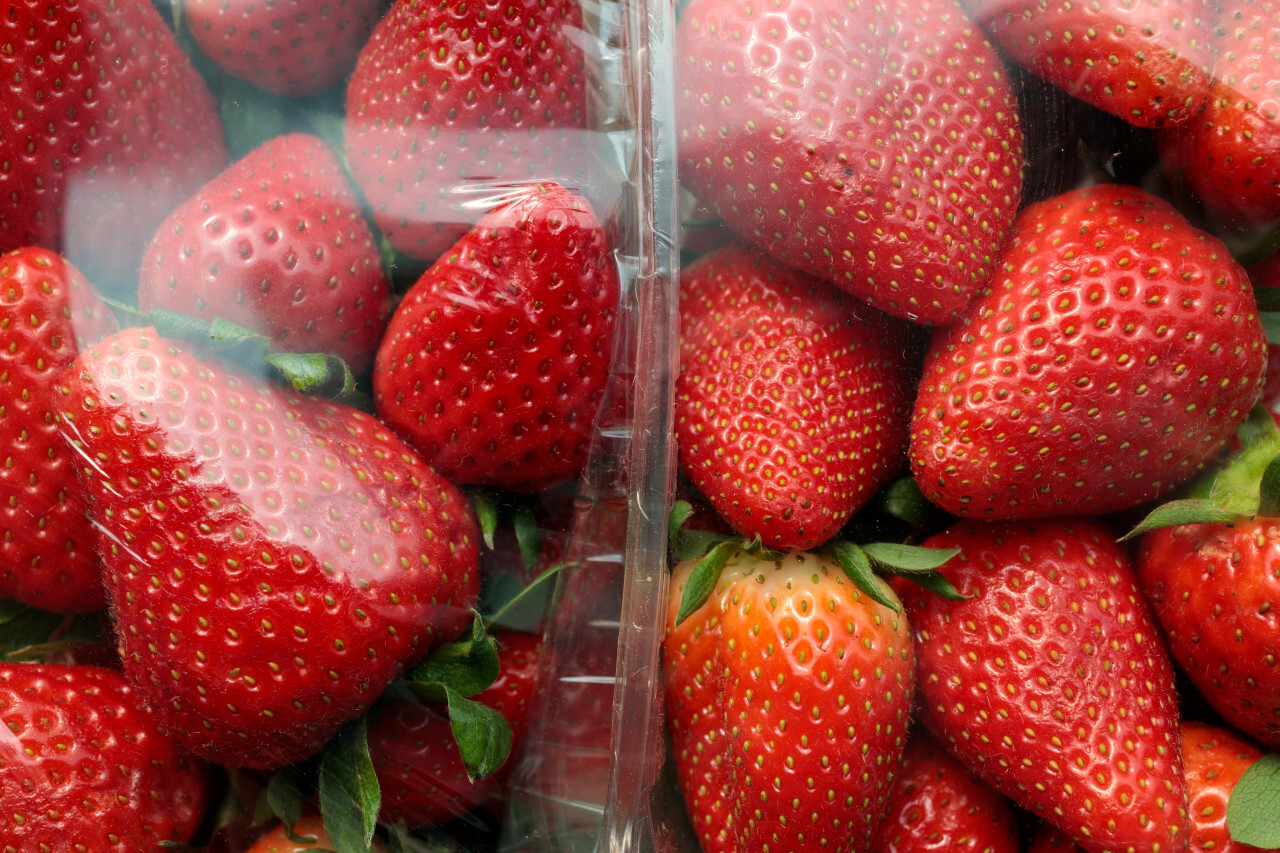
(420, 772)
(1052, 683)
(47, 312)
(787, 694)
(83, 760)
(1146, 62)
(291, 47)
(1116, 351)
(278, 244)
(273, 561)
(792, 400)
(496, 360)
(936, 804)
(452, 103)
(106, 128)
(1229, 154)
(872, 143)
(1215, 588)
(1215, 758)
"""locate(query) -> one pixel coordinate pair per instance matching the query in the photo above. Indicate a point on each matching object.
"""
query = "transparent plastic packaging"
(338, 346)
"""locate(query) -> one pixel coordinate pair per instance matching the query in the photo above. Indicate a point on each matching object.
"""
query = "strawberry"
(273, 561)
(1115, 353)
(1050, 840)
(1215, 758)
(1214, 589)
(495, 362)
(872, 143)
(774, 455)
(290, 47)
(47, 312)
(451, 103)
(1227, 155)
(1051, 682)
(787, 694)
(936, 804)
(106, 128)
(83, 760)
(1147, 62)
(277, 243)
(310, 828)
(420, 772)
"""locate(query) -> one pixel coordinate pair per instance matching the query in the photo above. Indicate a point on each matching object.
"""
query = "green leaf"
(936, 583)
(27, 628)
(1269, 490)
(314, 374)
(349, 792)
(526, 606)
(857, 567)
(908, 558)
(1270, 325)
(1189, 511)
(528, 535)
(681, 511)
(182, 327)
(703, 578)
(485, 504)
(9, 608)
(1253, 811)
(483, 735)
(903, 499)
(466, 666)
(286, 796)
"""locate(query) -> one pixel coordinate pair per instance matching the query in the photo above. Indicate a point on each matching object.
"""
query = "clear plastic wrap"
(339, 341)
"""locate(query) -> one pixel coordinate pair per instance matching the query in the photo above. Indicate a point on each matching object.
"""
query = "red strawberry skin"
(1052, 683)
(1115, 353)
(276, 243)
(273, 561)
(787, 697)
(773, 454)
(420, 772)
(1214, 588)
(496, 360)
(290, 47)
(1147, 63)
(936, 804)
(47, 311)
(452, 103)
(874, 144)
(1215, 759)
(106, 128)
(1229, 154)
(84, 760)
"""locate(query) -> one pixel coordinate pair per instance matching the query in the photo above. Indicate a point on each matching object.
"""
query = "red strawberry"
(792, 401)
(422, 777)
(106, 128)
(291, 47)
(872, 143)
(937, 805)
(84, 761)
(47, 312)
(1146, 62)
(495, 362)
(1229, 154)
(453, 102)
(1116, 351)
(273, 561)
(1214, 588)
(309, 826)
(1215, 758)
(276, 243)
(1051, 682)
(787, 694)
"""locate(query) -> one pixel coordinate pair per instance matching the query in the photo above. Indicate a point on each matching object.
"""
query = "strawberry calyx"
(1245, 484)
(1254, 804)
(862, 563)
(312, 374)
